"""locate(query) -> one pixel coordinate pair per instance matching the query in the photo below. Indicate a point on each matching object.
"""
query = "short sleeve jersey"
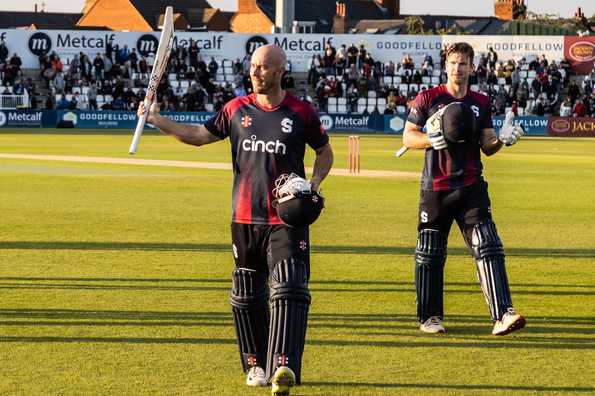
(459, 165)
(265, 143)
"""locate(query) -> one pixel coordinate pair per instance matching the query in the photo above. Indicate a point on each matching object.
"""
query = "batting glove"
(434, 131)
(510, 134)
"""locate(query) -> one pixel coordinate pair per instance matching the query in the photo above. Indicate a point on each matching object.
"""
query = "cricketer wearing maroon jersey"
(453, 189)
(268, 132)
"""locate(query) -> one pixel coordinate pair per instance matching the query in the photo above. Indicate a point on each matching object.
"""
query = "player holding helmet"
(458, 125)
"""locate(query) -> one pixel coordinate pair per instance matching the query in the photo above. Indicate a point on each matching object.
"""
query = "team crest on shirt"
(287, 125)
(303, 245)
(246, 121)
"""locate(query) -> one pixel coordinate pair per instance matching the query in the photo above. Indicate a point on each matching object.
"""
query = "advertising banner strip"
(120, 119)
(571, 126)
(299, 47)
(22, 118)
(533, 125)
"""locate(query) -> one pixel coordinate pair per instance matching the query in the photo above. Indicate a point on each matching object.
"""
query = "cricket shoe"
(256, 377)
(283, 380)
(511, 321)
(432, 326)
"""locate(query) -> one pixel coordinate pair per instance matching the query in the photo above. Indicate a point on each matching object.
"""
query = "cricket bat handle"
(402, 151)
(140, 126)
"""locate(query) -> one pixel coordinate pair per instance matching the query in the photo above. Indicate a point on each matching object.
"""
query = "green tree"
(415, 25)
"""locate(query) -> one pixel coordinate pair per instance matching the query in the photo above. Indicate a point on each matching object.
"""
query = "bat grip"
(140, 126)
(402, 151)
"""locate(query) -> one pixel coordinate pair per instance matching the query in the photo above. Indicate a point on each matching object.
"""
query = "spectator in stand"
(92, 95)
(63, 103)
(123, 54)
(246, 62)
(213, 67)
(429, 60)
(109, 49)
(18, 88)
(579, 110)
(193, 52)
(16, 62)
(565, 109)
(361, 55)
(312, 73)
(328, 60)
(352, 53)
(98, 66)
(492, 58)
(574, 92)
(49, 102)
(427, 68)
(541, 107)
(341, 60)
(74, 102)
(143, 67)
(3, 52)
(239, 90)
(59, 83)
(389, 68)
(407, 63)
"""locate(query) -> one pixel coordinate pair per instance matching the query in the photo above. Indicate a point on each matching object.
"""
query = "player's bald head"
(271, 54)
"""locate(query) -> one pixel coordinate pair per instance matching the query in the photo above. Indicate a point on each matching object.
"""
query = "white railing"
(8, 102)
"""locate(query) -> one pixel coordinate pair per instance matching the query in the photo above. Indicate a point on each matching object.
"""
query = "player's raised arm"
(196, 135)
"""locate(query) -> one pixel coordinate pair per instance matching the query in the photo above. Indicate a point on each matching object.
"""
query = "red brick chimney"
(340, 21)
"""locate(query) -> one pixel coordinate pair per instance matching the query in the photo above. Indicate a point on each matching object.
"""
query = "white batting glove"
(509, 133)
(434, 131)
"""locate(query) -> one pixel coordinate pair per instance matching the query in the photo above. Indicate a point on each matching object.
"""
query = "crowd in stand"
(534, 86)
(344, 79)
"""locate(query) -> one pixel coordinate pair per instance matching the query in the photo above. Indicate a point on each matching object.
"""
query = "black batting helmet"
(458, 123)
(296, 204)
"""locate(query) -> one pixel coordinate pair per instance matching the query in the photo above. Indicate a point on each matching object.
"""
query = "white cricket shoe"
(511, 321)
(432, 326)
(283, 380)
(256, 377)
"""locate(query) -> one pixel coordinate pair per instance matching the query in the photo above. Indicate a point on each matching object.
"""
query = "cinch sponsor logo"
(262, 146)
(560, 126)
(582, 51)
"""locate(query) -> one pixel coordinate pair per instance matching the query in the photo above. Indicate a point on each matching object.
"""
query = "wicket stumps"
(354, 162)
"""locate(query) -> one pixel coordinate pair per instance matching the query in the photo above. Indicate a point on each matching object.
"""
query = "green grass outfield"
(114, 278)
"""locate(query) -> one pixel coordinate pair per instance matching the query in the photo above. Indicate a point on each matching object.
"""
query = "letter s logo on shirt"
(286, 125)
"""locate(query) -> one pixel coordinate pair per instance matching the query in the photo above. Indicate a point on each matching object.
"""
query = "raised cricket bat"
(161, 58)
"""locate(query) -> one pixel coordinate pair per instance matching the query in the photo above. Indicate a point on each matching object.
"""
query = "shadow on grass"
(463, 387)
(214, 247)
(459, 337)
(436, 343)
